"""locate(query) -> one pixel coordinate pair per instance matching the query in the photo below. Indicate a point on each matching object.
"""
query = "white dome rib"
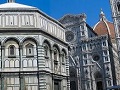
(14, 5)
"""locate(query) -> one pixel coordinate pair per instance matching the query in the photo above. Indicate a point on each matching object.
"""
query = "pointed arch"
(56, 52)
(30, 39)
(47, 42)
(29, 45)
(57, 47)
(63, 50)
(47, 47)
(63, 56)
(11, 39)
(11, 46)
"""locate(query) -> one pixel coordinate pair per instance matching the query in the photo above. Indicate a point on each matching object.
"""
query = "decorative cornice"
(29, 30)
(32, 9)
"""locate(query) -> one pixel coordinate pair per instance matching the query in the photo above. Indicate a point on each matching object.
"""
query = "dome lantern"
(102, 15)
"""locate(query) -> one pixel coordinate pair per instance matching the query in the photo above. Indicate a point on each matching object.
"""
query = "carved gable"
(72, 19)
(68, 19)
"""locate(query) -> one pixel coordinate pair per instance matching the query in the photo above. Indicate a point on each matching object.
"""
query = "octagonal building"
(33, 51)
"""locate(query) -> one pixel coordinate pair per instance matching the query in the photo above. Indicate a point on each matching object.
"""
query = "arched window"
(29, 50)
(55, 54)
(63, 57)
(55, 59)
(46, 51)
(11, 50)
(118, 6)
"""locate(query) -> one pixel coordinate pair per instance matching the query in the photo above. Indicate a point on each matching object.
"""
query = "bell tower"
(115, 8)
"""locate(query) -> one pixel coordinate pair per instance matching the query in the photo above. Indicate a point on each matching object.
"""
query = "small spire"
(10, 1)
(101, 12)
(102, 15)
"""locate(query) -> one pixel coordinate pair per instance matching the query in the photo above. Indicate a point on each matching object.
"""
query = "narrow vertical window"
(11, 50)
(90, 46)
(83, 33)
(85, 62)
(55, 54)
(55, 59)
(63, 57)
(106, 58)
(105, 52)
(84, 56)
(29, 49)
(118, 6)
(46, 50)
(104, 43)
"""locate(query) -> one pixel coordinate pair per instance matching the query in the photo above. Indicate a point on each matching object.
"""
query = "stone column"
(20, 56)
(22, 84)
(2, 56)
(52, 60)
(2, 82)
(52, 66)
(40, 57)
(67, 73)
(60, 63)
(41, 68)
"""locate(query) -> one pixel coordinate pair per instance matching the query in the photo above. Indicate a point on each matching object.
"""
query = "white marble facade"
(93, 60)
(33, 51)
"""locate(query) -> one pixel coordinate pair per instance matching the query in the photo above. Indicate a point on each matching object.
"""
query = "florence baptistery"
(33, 51)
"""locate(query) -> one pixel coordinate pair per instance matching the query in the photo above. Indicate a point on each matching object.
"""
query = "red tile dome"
(104, 26)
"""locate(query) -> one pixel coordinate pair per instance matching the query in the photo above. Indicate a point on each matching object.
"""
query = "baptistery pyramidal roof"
(22, 18)
(11, 4)
(104, 26)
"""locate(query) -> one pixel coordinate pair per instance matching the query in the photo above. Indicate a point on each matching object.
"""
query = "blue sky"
(58, 8)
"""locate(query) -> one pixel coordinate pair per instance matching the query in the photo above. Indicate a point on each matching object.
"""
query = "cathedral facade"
(33, 51)
(93, 58)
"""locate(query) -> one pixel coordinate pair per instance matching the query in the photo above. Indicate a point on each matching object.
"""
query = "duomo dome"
(104, 26)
